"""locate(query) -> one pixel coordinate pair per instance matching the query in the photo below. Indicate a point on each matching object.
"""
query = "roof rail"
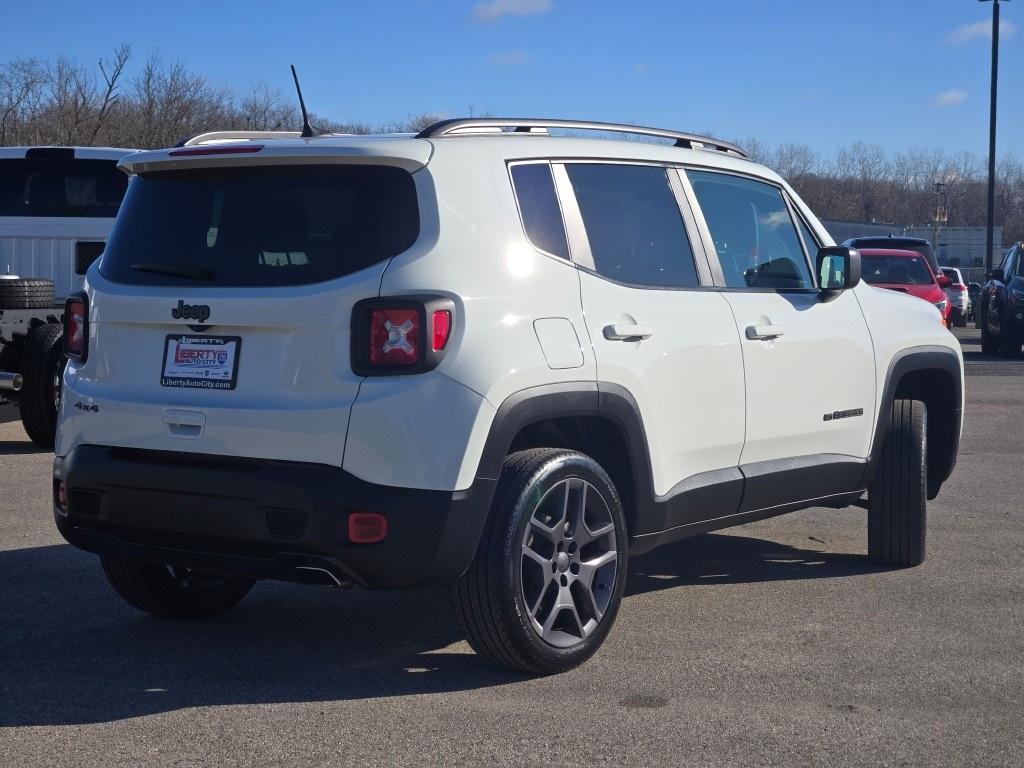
(475, 125)
(203, 138)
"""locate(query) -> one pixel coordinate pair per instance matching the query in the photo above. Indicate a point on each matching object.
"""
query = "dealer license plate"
(201, 362)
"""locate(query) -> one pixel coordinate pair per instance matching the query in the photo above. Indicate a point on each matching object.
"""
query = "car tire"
(26, 293)
(173, 593)
(989, 342)
(1009, 338)
(42, 365)
(545, 586)
(897, 498)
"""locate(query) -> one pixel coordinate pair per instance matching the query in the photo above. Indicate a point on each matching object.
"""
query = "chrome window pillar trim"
(703, 231)
(704, 269)
(579, 243)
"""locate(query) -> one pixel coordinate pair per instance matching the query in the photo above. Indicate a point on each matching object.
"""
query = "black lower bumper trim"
(264, 519)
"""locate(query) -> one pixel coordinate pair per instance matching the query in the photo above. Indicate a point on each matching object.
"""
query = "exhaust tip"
(10, 382)
(308, 574)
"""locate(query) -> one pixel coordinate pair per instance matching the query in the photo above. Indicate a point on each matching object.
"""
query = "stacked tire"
(22, 293)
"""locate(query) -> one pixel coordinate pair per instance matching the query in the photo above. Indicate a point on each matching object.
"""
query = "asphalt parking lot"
(775, 643)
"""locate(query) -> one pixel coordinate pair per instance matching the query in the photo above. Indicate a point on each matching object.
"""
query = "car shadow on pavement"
(726, 559)
(13, 447)
(71, 652)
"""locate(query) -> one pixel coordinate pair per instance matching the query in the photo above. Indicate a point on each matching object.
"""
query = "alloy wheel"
(569, 562)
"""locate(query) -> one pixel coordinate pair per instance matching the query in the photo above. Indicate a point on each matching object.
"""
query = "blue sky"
(901, 73)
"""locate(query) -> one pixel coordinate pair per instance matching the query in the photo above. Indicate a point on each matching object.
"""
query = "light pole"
(992, 136)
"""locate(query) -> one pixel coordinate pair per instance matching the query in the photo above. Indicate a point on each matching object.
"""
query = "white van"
(57, 207)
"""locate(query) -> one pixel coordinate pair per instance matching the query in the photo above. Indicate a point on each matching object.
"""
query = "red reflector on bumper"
(367, 527)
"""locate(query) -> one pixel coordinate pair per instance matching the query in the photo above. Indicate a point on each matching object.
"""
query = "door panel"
(797, 382)
(808, 359)
(653, 329)
(686, 377)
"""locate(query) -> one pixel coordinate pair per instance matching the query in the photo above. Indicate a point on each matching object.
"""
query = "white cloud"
(510, 59)
(640, 69)
(775, 219)
(950, 98)
(965, 33)
(493, 10)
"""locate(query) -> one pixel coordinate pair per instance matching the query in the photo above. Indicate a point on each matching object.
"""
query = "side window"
(755, 238)
(538, 205)
(633, 224)
(1018, 263)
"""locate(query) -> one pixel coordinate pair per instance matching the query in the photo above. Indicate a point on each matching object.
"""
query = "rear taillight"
(958, 288)
(76, 326)
(394, 337)
(441, 327)
(400, 335)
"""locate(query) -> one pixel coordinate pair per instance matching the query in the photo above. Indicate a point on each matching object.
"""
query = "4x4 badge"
(190, 311)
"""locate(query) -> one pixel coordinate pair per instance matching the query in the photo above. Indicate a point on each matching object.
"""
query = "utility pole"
(992, 137)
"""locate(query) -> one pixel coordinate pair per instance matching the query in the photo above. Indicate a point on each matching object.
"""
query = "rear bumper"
(263, 519)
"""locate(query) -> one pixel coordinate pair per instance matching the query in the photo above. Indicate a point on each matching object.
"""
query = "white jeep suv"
(485, 356)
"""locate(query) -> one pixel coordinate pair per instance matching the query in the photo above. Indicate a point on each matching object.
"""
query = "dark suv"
(1000, 309)
(899, 243)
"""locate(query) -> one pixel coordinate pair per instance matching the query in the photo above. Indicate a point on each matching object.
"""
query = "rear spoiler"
(410, 154)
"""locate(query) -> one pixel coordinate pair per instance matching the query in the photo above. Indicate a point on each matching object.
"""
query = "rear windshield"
(61, 187)
(896, 270)
(258, 226)
(925, 249)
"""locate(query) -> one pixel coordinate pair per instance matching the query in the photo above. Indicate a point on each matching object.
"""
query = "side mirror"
(944, 282)
(838, 268)
(996, 274)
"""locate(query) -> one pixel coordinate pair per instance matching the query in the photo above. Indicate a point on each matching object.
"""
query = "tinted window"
(61, 187)
(285, 225)
(923, 248)
(1005, 265)
(754, 234)
(633, 223)
(896, 270)
(538, 205)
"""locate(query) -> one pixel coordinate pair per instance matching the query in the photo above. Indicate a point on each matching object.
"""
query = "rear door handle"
(187, 424)
(627, 332)
(762, 332)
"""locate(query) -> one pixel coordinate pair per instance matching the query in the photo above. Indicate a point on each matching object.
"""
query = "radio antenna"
(308, 130)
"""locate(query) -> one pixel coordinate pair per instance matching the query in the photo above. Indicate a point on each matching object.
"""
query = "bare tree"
(794, 162)
(112, 70)
(264, 109)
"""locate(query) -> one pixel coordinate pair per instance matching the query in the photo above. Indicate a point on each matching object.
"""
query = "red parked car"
(906, 271)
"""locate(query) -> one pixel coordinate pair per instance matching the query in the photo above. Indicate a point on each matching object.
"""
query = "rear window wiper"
(177, 269)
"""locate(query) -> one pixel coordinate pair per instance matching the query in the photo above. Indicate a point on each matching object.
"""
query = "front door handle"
(627, 332)
(763, 332)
